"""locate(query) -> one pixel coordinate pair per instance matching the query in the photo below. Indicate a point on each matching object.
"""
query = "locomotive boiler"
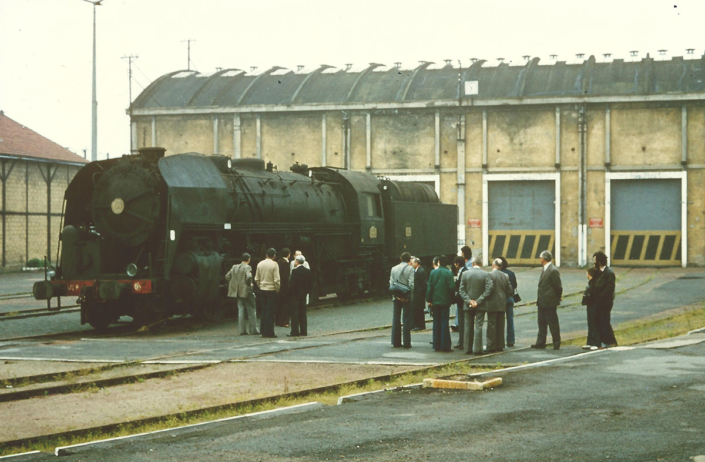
(149, 236)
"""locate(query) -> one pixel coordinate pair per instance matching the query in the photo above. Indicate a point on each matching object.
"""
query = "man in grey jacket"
(496, 306)
(240, 287)
(550, 293)
(403, 273)
(475, 288)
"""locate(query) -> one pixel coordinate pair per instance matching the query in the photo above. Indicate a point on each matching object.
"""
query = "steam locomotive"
(149, 236)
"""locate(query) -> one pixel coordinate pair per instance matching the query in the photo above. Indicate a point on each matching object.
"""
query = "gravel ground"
(221, 384)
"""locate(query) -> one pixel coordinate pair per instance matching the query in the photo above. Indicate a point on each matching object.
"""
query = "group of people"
(480, 295)
(284, 286)
(283, 290)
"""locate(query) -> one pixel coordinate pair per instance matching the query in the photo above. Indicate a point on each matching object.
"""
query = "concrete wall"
(519, 140)
(26, 211)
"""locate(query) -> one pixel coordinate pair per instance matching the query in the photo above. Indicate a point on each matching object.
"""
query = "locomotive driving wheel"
(98, 315)
(217, 309)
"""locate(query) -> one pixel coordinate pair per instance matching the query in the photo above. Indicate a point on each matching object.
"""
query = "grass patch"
(635, 332)
(329, 396)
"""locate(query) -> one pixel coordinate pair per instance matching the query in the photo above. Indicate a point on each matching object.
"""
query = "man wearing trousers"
(267, 279)
(496, 306)
(439, 296)
(604, 299)
(281, 316)
(240, 288)
(419, 294)
(299, 287)
(549, 295)
(403, 273)
(475, 288)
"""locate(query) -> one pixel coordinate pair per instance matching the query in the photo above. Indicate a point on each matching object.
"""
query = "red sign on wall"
(474, 223)
(596, 223)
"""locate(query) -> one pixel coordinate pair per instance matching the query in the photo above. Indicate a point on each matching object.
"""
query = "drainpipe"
(582, 185)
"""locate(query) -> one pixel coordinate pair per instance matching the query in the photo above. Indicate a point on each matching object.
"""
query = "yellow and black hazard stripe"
(521, 247)
(646, 248)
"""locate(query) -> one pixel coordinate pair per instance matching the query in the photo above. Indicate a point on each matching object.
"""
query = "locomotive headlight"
(230, 164)
(131, 270)
(117, 206)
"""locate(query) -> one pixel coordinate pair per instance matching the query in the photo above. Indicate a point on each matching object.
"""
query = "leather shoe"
(510, 344)
(407, 346)
(458, 347)
(480, 353)
(557, 347)
(291, 335)
(269, 336)
(538, 347)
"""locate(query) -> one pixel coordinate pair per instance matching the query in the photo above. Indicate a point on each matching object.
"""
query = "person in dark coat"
(282, 310)
(549, 296)
(593, 336)
(510, 301)
(439, 295)
(604, 299)
(300, 285)
(419, 294)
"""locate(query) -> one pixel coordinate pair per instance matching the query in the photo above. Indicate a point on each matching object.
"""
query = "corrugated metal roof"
(427, 82)
(18, 140)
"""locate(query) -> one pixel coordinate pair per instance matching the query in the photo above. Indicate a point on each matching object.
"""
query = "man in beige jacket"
(240, 287)
(269, 283)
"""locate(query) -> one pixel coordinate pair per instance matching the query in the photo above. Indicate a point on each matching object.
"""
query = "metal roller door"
(646, 222)
(521, 220)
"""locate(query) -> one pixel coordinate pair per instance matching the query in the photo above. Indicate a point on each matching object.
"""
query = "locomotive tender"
(150, 236)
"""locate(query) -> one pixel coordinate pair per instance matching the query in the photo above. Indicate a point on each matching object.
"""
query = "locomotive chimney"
(152, 154)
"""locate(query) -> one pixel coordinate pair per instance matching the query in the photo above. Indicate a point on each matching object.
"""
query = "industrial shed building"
(35, 173)
(571, 157)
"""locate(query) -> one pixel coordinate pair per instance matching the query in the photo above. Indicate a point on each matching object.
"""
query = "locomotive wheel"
(144, 314)
(99, 317)
(216, 311)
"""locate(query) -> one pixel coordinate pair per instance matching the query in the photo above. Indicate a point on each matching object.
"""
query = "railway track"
(4, 297)
(127, 328)
(36, 312)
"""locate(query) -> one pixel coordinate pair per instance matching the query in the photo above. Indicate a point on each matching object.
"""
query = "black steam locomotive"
(150, 236)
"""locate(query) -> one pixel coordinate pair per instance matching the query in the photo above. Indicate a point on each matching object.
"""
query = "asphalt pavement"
(623, 404)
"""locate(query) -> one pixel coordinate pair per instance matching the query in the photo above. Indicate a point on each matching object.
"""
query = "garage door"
(521, 220)
(646, 222)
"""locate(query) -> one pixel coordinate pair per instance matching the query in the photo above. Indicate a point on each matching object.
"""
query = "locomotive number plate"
(408, 231)
(373, 232)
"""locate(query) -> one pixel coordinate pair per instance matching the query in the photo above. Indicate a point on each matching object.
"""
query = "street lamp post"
(94, 113)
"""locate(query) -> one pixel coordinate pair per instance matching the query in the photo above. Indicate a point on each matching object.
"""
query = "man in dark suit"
(496, 306)
(475, 288)
(418, 295)
(282, 310)
(604, 299)
(550, 293)
(300, 286)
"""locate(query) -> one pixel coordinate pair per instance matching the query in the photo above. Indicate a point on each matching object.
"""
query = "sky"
(46, 45)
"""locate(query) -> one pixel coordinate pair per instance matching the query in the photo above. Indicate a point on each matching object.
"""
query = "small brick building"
(34, 172)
